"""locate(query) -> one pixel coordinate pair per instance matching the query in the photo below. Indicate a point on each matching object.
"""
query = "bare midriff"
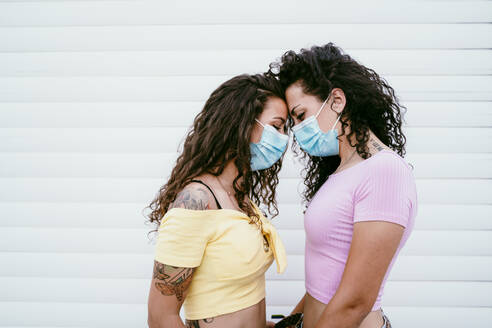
(253, 316)
(314, 308)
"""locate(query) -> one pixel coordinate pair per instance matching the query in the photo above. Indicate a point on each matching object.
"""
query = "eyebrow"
(293, 108)
(279, 118)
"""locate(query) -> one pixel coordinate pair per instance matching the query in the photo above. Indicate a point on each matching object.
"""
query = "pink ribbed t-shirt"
(380, 188)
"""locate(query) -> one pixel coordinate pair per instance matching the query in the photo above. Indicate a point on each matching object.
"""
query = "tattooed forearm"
(171, 280)
(196, 323)
(193, 199)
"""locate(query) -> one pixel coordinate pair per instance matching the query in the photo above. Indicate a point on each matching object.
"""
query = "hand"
(270, 324)
(290, 321)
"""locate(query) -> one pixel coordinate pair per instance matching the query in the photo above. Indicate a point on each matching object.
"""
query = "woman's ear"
(338, 100)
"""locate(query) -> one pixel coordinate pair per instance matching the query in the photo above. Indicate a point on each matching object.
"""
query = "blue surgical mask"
(269, 149)
(314, 141)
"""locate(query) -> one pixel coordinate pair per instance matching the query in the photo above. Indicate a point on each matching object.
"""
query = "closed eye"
(280, 128)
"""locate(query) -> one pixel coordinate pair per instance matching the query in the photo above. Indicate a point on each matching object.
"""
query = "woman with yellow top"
(214, 244)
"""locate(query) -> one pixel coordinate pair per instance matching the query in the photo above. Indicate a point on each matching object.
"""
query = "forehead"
(275, 106)
(294, 93)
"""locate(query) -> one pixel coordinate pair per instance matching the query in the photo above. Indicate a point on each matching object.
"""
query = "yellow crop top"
(230, 254)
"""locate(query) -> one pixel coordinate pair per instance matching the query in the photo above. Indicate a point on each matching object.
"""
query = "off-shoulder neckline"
(218, 210)
(210, 210)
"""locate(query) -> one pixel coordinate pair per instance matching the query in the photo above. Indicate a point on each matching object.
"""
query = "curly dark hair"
(370, 104)
(221, 132)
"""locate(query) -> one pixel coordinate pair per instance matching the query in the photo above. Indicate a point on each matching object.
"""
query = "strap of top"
(210, 189)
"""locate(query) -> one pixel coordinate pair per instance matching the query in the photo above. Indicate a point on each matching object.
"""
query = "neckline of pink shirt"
(358, 164)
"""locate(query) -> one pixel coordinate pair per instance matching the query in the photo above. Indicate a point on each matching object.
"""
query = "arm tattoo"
(171, 280)
(196, 323)
(193, 199)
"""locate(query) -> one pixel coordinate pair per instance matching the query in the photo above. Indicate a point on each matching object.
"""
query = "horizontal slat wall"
(133, 266)
(197, 88)
(96, 96)
(156, 63)
(154, 114)
(152, 165)
(441, 191)
(154, 140)
(118, 240)
(61, 290)
(245, 36)
(123, 215)
(175, 12)
(47, 315)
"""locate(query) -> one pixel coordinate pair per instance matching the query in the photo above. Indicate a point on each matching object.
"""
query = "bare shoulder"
(194, 196)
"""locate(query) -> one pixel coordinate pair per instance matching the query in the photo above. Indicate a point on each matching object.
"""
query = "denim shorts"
(386, 323)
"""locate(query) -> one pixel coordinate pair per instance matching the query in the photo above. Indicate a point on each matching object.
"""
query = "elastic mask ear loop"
(260, 123)
(319, 111)
(264, 127)
(338, 119)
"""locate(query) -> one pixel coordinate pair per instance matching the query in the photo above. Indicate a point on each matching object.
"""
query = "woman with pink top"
(360, 192)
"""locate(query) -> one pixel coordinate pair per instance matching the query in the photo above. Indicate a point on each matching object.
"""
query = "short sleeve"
(182, 238)
(387, 193)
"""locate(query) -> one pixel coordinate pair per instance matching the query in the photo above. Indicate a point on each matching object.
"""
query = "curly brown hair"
(221, 132)
(371, 103)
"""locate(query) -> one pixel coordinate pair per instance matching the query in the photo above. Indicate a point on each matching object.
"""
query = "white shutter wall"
(95, 97)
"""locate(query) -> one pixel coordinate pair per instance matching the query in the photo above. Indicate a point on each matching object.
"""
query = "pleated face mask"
(269, 149)
(314, 141)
